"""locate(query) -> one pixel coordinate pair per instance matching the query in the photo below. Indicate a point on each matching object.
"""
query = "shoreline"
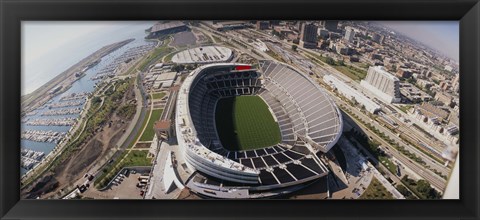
(64, 80)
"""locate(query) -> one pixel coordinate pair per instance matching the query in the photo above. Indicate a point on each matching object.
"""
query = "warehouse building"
(163, 28)
(351, 93)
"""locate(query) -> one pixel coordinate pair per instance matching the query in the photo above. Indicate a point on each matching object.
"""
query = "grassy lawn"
(245, 123)
(352, 72)
(158, 95)
(275, 55)
(149, 132)
(376, 191)
(137, 158)
(317, 61)
(168, 58)
(217, 39)
(132, 158)
(405, 108)
(388, 163)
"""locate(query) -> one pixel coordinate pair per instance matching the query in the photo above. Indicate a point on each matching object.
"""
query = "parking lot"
(126, 188)
(123, 187)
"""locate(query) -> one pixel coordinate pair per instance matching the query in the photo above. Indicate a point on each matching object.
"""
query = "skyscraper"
(349, 34)
(330, 25)
(382, 84)
(308, 36)
(378, 38)
(262, 25)
(456, 83)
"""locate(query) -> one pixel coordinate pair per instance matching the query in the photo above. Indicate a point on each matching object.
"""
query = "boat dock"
(30, 158)
(65, 111)
(43, 136)
(129, 55)
(66, 104)
(52, 122)
(75, 96)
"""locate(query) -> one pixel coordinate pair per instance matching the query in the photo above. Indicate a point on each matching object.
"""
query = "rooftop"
(165, 124)
(208, 54)
(168, 25)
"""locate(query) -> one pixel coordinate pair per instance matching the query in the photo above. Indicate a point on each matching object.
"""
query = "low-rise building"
(351, 93)
(444, 97)
(414, 94)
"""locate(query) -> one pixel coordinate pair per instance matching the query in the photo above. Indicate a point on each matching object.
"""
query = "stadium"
(253, 133)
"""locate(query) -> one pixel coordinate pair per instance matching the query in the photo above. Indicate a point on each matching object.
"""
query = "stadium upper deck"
(310, 124)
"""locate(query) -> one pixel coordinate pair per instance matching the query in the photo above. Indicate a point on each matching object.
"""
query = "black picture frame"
(12, 12)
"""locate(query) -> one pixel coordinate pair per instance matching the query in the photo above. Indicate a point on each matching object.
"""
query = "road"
(430, 162)
(428, 175)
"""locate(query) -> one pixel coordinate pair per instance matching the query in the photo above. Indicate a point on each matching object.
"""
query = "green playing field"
(245, 123)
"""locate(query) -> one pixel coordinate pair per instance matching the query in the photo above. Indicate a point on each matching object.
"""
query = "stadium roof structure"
(207, 54)
(165, 26)
(309, 120)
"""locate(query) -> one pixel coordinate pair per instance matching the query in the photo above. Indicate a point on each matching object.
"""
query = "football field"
(245, 123)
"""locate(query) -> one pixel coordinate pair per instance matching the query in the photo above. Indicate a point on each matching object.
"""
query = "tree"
(96, 99)
(411, 80)
(275, 33)
(294, 47)
(178, 68)
(330, 61)
(394, 68)
(341, 63)
(403, 190)
(423, 187)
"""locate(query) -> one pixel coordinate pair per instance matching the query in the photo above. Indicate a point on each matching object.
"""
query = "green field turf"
(245, 123)
(158, 95)
(149, 132)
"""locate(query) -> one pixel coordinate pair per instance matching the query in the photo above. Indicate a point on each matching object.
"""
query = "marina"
(75, 96)
(31, 113)
(30, 158)
(66, 104)
(128, 56)
(65, 111)
(52, 121)
(43, 136)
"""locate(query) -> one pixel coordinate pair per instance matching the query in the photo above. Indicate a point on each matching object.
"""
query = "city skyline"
(440, 35)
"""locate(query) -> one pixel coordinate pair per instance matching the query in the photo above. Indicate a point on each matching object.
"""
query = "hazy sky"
(50, 47)
(440, 35)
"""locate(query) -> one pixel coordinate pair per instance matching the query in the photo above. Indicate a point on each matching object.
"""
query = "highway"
(430, 162)
(428, 175)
